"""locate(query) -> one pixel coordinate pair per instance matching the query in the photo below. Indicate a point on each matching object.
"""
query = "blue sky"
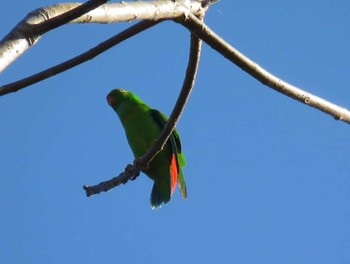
(268, 178)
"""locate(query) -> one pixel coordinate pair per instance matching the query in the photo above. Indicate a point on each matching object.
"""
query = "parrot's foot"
(130, 170)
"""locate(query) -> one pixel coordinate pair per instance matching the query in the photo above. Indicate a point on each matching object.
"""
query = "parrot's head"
(118, 96)
(122, 101)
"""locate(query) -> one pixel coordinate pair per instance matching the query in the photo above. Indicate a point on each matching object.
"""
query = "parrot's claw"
(134, 177)
(131, 171)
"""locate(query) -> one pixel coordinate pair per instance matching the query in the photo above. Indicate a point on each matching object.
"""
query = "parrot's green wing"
(175, 145)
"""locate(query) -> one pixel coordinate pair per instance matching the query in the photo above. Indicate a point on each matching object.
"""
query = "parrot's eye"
(122, 90)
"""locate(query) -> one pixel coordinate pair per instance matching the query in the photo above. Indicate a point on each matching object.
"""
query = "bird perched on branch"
(142, 126)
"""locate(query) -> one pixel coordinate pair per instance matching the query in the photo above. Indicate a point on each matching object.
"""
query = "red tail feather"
(173, 173)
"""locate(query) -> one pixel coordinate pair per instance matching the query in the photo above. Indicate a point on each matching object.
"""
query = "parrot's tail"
(157, 197)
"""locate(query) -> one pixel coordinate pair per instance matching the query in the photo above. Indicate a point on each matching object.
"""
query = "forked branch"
(185, 12)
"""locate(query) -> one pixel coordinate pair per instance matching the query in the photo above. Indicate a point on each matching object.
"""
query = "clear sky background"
(268, 178)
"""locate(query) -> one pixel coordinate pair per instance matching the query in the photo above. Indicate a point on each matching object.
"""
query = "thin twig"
(132, 171)
(88, 55)
(197, 27)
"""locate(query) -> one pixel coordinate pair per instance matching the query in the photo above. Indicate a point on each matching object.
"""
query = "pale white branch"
(23, 36)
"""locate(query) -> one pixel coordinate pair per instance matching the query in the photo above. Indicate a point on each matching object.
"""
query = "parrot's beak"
(110, 100)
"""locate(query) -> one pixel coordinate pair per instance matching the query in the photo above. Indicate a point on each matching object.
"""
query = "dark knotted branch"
(88, 55)
(197, 27)
(132, 171)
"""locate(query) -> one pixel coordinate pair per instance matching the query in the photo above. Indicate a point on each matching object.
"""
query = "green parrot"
(142, 126)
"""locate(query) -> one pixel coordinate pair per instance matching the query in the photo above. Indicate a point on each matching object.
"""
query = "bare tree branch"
(27, 32)
(38, 22)
(88, 55)
(197, 27)
(132, 171)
